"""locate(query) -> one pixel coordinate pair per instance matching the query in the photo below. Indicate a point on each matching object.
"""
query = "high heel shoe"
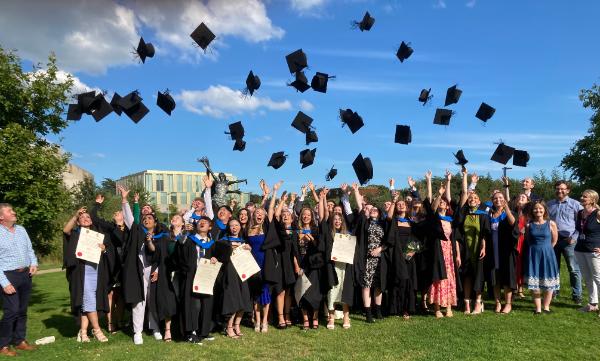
(237, 330)
(481, 308)
(82, 337)
(282, 325)
(233, 334)
(467, 306)
(99, 335)
(257, 327)
(305, 325)
(288, 321)
(315, 325)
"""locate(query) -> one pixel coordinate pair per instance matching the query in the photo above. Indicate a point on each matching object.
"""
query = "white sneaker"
(339, 314)
(157, 336)
(137, 339)
(209, 338)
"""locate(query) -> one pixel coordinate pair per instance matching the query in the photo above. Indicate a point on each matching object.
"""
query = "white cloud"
(219, 101)
(306, 105)
(92, 36)
(471, 3)
(306, 5)
(99, 155)
(439, 4)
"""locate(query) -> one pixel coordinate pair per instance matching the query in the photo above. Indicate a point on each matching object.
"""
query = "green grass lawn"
(564, 335)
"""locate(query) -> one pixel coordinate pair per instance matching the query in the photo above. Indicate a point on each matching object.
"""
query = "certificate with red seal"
(244, 263)
(206, 274)
(88, 245)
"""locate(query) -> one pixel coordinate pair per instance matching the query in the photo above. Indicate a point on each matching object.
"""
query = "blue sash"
(156, 236)
(403, 220)
(220, 224)
(498, 219)
(445, 218)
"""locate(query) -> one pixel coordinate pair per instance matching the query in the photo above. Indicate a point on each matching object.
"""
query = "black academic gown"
(235, 294)
(362, 240)
(477, 272)
(75, 268)
(508, 238)
(331, 279)
(313, 265)
(118, 236)
(162, 300)
(285, 259)
(133, 271)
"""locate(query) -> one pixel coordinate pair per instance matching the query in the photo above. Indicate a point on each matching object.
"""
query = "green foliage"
(31, 180)
(584, 158)
(35, 100)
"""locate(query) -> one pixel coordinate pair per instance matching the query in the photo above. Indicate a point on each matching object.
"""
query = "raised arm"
(345, 199)
(311, 186)
(265, 188)
(464, 189)
(429, 189)
(282, 203)
(208, 208)
(271, 210)
(359, 198)
(438, 198)
(324, 191)
(390, 212)
(506, 186)
(72, 222)
(127, 215)
(448, 188)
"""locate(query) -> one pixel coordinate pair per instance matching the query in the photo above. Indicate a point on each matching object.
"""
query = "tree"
(583, 160)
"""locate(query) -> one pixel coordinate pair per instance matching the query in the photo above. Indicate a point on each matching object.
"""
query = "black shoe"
(369, 315)
(378, 314)
(547, 311)
(537, 313)
(191, 338)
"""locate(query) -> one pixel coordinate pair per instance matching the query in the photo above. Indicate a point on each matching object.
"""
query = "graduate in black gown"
(197, 308)
(371, 266)
(502, 252)
(339, 276)
(89, 283)
(235, 294)
(283, 223)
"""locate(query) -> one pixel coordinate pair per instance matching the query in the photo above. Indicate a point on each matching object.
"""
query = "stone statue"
(221, 184)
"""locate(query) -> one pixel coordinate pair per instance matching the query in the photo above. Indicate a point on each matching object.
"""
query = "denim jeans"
(567, 250)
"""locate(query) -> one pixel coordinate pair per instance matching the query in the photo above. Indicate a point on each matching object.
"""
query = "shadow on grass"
(64, 324)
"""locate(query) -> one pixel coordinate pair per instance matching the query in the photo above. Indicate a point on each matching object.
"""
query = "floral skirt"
(443, 292)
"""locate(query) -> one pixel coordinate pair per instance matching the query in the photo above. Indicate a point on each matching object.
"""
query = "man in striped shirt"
(17, 265)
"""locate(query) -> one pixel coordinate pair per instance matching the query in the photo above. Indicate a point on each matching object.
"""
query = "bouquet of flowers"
(413, 247)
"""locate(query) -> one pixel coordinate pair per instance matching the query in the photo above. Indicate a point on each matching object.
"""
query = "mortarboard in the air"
(87, 101)
(452, 95)
(403, 134)
(144, 50)
(165, 102)
(460, 158)
(252, 83)
(240, 145)
(301, 83)
(74, 112)
(311, 137)
(277, 160)
(202, 36)
(132, 106)
(425, 96)
(520, 158)
(319, 82)
(404, 52)
(307, 157)
(296, 61)
(302, 122)
(101, 108)
(236, 130)
(331, 174)
(485, 112)
(503, 153)
(442, 116)
(115, 103)
(351, 119)
(363, 169)
(366, 23)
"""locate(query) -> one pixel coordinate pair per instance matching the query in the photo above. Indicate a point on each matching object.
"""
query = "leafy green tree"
(583, 161)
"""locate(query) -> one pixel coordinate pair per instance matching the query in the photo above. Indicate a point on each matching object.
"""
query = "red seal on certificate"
(79, 254)
(334, 258)
(243, 275)
(195, 288)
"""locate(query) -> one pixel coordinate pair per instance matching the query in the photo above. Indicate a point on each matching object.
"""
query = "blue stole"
(478, 211)
(403, 220)
(220, 224)
(305, 231)
(233, 239)
(194, 216)
(498, 219)
(445, 218)
(156, 236)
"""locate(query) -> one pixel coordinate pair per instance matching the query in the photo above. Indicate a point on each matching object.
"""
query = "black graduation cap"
(301, 83)
(520, 158)
(485, 112)
(101, 108)
(144, 50)
(296, 61)
(366, 23)
(460, 157)
(351, 119)
(165, 102)
(74, 112)
(277, 160)
(452, 95)
(363, 169)
(252, 83)
(503, 153)
(202, 36)
(403, 134)
(404, 52)
(307, 157)
(302, 122)
(93, 104)
(240, 145)
(442, 116)
(311, 137)
(425, 96)
(132, 106)
(87, 101)
(236, 130)
(319, 82)
(331, 174)
(115, 103)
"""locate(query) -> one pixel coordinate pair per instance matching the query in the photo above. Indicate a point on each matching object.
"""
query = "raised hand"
(293, 197)
(277, 185)
(325, 190)
(80, 211)
(428, 175)
(344, 187)
(99, 198)
(442, 189)
(448, 175)
(208, 181)
(411, 182)
(474, 178)
(311, 186)
(505, 180)
(124, 193)
(392, 182)
(303, 188)
(395, 197)
(464, 171)
(355, 186)
(284, 197)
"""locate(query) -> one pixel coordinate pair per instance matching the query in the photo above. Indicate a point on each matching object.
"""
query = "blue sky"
(528, 59)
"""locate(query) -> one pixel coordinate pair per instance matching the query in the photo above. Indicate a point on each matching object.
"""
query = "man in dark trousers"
(17, 265)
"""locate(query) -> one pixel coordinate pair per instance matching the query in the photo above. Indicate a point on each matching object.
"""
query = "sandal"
(236, 329)
(507, 306)
(230, 335)
(305, 325)
(406, 316)
(449, 314)
(167, 338)
(282, 325)
(99, 335)
(315, 325)
(331, 323)
(112, 329)
(467, 306)
(264, 328)
(498, 307)
(481, 308)
(82, 337)
(257, 327)
(439, 314)
(288, 322)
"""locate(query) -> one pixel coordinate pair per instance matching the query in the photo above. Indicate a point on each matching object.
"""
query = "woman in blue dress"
(541, 270)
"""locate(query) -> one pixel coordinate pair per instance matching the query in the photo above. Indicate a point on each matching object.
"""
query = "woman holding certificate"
(236, 294)
(89, 260)
(339, 275)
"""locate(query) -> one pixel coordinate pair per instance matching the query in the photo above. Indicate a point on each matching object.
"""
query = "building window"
(153, 197)
(163, 198)
(179, 183)
(183, 197)
(198, 186)
(170, 183)
(189, 183)
(148, 182)
(160, 186)
(173, 198)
